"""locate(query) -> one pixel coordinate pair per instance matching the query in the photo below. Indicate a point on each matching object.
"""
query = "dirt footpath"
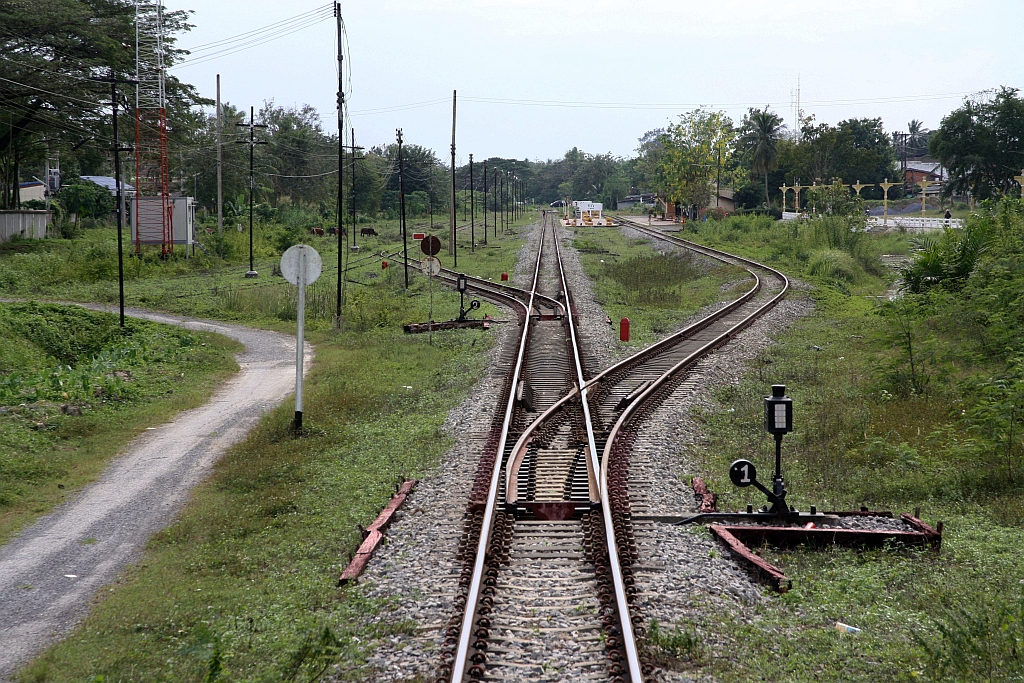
(50, 571)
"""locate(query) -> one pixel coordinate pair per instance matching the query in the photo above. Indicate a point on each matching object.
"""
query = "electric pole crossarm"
(119, 212)
(252, 142)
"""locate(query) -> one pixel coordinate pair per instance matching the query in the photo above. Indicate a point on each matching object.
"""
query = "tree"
(649, 168)
(693, 149)
(981, 144)
(917, 138)
(299, 157)
(48, 51)
(759, 137)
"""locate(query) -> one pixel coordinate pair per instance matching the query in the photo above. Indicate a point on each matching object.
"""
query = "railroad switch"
(778, 421)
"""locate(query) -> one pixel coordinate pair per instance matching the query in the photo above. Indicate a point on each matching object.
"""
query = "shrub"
(833, 264)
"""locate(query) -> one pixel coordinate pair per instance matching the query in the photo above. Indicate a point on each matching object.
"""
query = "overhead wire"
(262, 29)
(255, 38)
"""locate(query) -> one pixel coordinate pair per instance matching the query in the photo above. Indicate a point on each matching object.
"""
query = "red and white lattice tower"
(152, 172)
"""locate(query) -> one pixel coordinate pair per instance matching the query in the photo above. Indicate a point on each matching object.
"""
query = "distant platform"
(590, 223)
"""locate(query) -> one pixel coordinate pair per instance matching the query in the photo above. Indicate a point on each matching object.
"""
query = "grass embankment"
(655, 289)
(242, 586)
(75, 388)
(897, 404)
(205, 285)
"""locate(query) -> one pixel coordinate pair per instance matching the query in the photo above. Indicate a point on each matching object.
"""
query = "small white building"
(587, 213)
(591, 210)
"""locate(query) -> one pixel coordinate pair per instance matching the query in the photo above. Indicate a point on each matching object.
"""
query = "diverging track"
(546, 587)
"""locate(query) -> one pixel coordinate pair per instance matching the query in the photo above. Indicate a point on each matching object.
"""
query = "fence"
(24, 224)
(915, 223)
(910, 223)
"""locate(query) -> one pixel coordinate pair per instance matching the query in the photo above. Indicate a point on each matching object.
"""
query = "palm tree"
(759, 137)
(917, 136)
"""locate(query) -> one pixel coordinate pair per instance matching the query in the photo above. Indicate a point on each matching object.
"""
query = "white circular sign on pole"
(300, 265)
(301, 257)
(430, 266)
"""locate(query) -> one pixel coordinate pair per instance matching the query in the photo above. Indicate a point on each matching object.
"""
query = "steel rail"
(466, 629)
(625, 623)
(483, 285)
(626, 417)
(636, 359)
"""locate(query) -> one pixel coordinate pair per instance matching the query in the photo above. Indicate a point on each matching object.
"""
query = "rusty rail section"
(374, 534)
(740, 537)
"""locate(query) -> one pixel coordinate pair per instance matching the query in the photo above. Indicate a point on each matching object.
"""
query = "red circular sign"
(430, 245)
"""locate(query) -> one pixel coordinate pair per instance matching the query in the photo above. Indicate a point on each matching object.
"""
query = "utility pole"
(472, 209)
(352, 194)
(401, 204)
(485, 202)
(252, 142)
(220, 176)
(113, 80)
(494, 202)
(452, 247)
(341, 159)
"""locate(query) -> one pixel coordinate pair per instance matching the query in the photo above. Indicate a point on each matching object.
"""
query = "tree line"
(50, 50)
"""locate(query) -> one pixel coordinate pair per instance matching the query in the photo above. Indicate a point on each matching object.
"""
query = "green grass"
(85, 269)
(247, 573)
(120, 380)
(655, 289)
(873, 430)
(242, 585)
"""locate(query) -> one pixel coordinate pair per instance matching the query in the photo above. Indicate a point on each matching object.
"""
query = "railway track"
(548, 552)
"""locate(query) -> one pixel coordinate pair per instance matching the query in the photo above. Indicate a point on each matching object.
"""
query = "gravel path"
(51, 570)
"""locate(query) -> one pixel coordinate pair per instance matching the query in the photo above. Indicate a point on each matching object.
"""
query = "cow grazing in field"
(333, 231)
(319, 232)
(367, 232)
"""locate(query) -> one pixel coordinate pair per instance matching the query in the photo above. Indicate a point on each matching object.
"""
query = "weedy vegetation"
(243, 585)
(75, 388)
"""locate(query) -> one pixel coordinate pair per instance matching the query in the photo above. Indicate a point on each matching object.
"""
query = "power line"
(255, 40)
(262, 29)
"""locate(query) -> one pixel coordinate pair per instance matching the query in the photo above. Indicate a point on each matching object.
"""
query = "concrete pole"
(220, 176)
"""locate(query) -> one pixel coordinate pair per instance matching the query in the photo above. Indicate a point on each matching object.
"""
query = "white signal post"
(300, 265)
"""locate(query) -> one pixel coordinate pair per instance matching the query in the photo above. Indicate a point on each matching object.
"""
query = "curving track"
(546, 589)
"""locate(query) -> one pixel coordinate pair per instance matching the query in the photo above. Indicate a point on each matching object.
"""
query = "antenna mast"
(153, 217)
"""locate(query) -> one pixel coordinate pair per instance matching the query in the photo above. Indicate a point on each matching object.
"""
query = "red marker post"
(624, 330)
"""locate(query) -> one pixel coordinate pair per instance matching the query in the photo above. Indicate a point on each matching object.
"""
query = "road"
(50, 572)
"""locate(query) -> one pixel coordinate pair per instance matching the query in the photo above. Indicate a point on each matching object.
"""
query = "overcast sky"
(538, 77)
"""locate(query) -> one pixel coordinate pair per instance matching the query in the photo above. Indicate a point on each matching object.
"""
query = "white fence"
(25, 224)
(896, 221)
(915, 223)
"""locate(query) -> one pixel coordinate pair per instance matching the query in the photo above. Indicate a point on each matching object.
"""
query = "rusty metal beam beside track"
(739, 538)
(374, 534)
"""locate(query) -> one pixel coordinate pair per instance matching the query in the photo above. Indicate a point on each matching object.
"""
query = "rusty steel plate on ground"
(430, 245)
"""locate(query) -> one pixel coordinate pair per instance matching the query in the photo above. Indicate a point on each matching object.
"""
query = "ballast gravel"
(682, 574)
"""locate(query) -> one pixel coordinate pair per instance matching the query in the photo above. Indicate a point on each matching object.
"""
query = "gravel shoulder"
(50, 572)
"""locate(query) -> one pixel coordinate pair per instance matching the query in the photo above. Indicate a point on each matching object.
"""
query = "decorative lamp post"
(885, 200)
(785, 192)
(796, 191)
